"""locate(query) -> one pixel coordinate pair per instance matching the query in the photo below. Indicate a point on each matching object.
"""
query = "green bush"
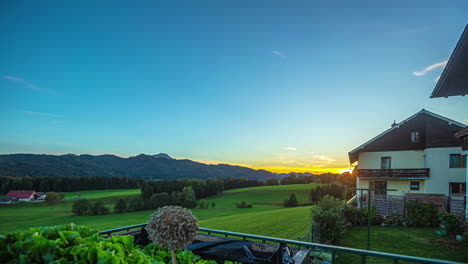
(354, 216)
(292, 201)
(465, 238)
(99, 208)
(394, 220)
(374, 218)
(243, 204)
(454, 224)
(418, 214)
(203, 204)
(213, 204)
(121, 206)
(329, 220)
(81, 207)
(53, 198)
(77, 244)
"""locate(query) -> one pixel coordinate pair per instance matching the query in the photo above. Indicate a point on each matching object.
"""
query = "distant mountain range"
(159, 166)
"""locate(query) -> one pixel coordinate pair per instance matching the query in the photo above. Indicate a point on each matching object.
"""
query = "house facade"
(418, 155)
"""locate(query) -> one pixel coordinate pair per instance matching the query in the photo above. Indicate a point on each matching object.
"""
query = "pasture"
(24, 215)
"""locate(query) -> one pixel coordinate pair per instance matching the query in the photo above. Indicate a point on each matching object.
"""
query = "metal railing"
(364, 254)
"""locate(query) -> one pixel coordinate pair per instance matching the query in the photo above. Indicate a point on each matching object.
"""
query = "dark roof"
(454, 78)
(20, 193)
(435, 131)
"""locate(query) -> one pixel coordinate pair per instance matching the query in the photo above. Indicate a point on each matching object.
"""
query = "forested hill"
(142, 167)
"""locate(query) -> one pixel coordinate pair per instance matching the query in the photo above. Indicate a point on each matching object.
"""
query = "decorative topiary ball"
(172, 227)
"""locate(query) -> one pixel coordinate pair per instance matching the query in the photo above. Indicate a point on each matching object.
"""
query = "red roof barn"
(21, 194)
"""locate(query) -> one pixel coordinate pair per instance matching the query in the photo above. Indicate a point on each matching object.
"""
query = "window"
(414, 186)
(385, 163)
(414, 137)
(457, 187)
(457, 161)
(381, 187)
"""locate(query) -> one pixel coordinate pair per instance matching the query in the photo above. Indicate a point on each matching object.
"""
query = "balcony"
(393, 173)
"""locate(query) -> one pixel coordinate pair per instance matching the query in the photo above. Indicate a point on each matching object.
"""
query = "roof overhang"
(354, 154)
(454, 78)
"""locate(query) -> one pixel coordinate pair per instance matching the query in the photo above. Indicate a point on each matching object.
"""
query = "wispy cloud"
(324, 158)
(23, 82)
(430, 68)
(279, 53)
(290, 148)
(41, 114)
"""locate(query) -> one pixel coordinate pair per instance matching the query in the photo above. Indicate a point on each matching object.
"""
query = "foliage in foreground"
(78, 244)
(329, 220)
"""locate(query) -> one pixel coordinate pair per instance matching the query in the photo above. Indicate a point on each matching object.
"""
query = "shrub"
(291, 202)
(329, 220)
(243, 204)
(213, 204)
(374, 218)
(465, 238)
(348, 194)
(135, 204)
(353, 215)
(121, 206)
(203, 204)
(81, 207)
(99, 208)
(454, 224)
(53, 198)
(418, 214)
(394, 220)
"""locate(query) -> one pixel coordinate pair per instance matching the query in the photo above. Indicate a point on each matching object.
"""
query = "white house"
(420, 154)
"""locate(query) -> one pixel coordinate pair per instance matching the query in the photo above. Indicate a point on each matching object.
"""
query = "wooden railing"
(394, 173)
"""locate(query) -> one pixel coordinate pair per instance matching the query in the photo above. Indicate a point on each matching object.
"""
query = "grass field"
(420, 241)
(24, 215)
(267, 217)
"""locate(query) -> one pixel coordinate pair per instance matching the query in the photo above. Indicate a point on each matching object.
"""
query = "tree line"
(66, 184)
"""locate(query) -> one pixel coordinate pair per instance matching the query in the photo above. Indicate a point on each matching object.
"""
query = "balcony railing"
(364, 254)
(393, 173)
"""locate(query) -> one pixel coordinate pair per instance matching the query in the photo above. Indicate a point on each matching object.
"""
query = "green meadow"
(267, 217)
(24, 215)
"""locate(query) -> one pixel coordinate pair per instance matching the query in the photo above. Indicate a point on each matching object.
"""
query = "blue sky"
(285, 85)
